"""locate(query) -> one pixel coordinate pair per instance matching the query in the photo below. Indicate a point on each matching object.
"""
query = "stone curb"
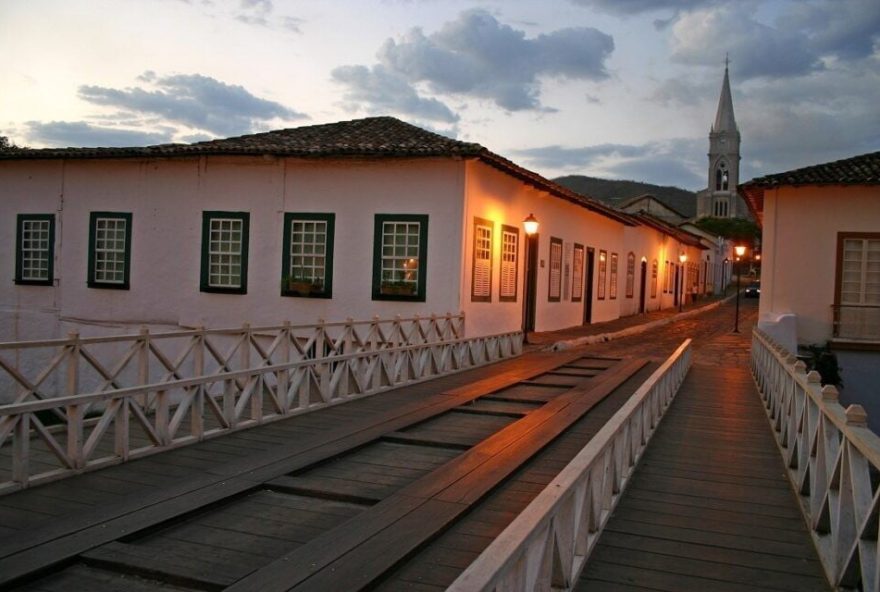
(634, 330)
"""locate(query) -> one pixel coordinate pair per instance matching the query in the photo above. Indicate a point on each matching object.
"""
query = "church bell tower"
(720, 199)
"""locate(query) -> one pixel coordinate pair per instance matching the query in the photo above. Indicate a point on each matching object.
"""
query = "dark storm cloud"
(477, 56)
(57, 134)
(195, 101)
(379, 90)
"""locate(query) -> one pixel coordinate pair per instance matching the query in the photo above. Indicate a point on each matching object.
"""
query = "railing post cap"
(791, 359)
(800, 367)
(830, 393)
(246, 326)
(73, 334)
(856, 416)
(144, 330)
(814, 377)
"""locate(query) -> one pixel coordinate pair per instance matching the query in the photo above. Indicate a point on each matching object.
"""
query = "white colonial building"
(372, 217)
(820, 280)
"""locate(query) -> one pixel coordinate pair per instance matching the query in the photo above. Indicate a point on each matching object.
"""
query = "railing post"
(245, 353)
(144, 361)
(75, 436)
(283, 380)
(121, 436)
(21, 447)
(73, 364)
(197, 406)
(163, 429)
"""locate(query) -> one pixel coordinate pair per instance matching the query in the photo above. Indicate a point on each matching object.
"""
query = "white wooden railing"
(547, 545)
(113, 425)
(36, 370)
(833, 462)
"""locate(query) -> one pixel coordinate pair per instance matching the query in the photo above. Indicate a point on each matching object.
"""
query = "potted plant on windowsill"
(300, 286)
(398, 288)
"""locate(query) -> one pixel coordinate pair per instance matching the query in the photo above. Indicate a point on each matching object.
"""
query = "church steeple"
(720, 199)
(724, 119)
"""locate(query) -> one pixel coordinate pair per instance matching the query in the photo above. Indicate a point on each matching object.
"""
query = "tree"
(738, 230)
(5, 144)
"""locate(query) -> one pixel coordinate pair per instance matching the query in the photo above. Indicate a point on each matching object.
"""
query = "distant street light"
(683, 258)
(740, 251)
(530, 225)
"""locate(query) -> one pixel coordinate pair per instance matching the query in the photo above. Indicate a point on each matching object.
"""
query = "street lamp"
(682, 258)
(740, 251)
(530, 225)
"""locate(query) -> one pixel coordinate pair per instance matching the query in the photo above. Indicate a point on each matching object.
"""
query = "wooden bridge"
(500, 477)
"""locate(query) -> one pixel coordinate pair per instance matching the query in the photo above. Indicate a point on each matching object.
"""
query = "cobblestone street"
(712, 332)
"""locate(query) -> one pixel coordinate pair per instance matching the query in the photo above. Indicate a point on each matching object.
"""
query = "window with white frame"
(554, 292)
(400, 254)
(509, 261)
(307, 255)
(654, 272)
(630, 274)
(612, 287)
(857, 297)
(603, 267)
(225, 252)
(481, 280)
(34, 249)
(859, 269)
(109, 250)
(577, 274)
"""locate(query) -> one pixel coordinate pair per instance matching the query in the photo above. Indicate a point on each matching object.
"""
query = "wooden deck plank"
(710, 506)
(501, 506)
(352, 555)
(55, 541)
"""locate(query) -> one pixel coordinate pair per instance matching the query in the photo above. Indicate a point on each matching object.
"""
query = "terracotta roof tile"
(372, 137)
(858, 170)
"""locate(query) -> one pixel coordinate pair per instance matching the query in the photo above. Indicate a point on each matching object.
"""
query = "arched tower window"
(722, 177)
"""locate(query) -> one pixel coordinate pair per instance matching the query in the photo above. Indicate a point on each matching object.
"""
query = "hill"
(615, 192)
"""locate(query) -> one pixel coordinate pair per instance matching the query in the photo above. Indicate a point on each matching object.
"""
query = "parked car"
(753, 290)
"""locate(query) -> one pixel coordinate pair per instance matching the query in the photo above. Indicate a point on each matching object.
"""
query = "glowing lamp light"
(530, 224)
(683, 257)
(740, 250)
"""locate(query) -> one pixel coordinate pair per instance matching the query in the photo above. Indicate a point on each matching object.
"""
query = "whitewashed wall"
(495, 196)
(799, 250)
(166, 199)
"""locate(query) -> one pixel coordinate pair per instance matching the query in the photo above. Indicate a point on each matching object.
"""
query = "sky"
(618, 89)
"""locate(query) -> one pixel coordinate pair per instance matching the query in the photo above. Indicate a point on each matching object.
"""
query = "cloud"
(82, 134)
(629, 7)
(848, 29)
(478, 56)
(828, 115)
(671, 162)
(475, 56)
(378, 90)
(702, 37)
(193, 100)
(255, 12)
